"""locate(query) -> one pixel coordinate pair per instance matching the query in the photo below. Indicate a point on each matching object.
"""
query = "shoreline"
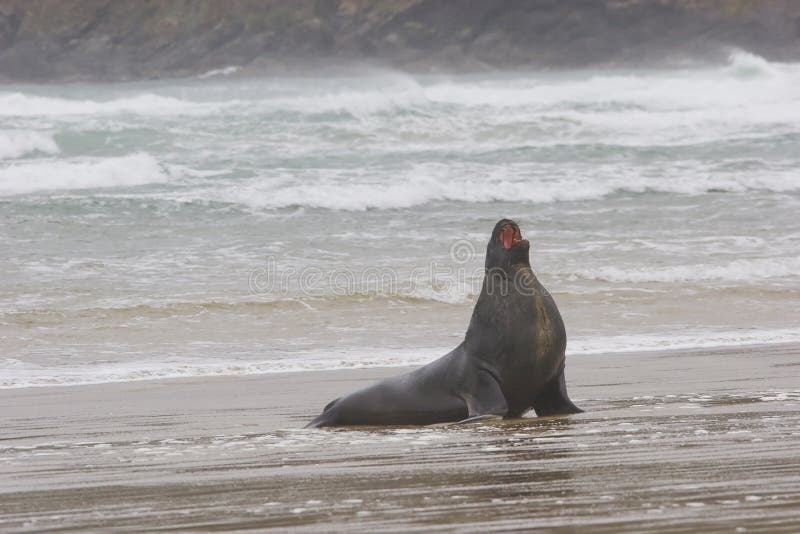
(397, 368)
(680, 440)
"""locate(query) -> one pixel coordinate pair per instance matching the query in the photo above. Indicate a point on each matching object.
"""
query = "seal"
(511, 360)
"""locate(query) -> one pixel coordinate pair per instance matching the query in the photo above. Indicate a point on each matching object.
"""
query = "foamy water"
(231, 226)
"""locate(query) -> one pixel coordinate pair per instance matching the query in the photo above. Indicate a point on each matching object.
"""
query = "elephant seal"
(511, 359)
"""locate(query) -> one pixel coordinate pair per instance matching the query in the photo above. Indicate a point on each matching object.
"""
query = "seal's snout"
(510, 236)
(506, 246)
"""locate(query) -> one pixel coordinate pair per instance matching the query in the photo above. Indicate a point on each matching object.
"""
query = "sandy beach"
(670, 441)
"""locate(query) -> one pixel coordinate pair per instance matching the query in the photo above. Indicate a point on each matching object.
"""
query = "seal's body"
(511, 359)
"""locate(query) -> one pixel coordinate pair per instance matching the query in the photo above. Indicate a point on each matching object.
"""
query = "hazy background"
(112, 40)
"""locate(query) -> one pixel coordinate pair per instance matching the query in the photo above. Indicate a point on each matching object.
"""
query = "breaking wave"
(88, 173)
(742, 270)
(533, 184)
(27, 105)
(19, 143)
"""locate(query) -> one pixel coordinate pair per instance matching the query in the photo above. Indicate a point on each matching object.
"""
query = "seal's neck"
(502, 287)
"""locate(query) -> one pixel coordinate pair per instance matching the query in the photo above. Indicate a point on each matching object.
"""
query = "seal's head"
(506, 247)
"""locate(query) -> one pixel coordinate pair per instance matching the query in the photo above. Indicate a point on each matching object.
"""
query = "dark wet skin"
(511, 359)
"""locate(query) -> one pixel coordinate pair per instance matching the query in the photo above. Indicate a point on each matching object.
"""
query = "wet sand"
(673, 441)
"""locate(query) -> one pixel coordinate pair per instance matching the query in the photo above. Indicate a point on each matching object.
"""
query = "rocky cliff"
(43, 40)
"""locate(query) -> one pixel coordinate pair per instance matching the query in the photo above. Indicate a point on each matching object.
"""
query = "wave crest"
(742, 270)
(18, 143)
(26, 105)
(744, 64)
(477, 184)
(125, 171)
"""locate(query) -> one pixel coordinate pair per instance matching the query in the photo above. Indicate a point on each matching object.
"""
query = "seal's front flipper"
(553, 399)
(487, 397)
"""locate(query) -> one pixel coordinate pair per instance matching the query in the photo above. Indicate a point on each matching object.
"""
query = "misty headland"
(111, 40)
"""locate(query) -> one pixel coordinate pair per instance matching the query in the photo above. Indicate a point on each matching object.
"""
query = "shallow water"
(224, 226)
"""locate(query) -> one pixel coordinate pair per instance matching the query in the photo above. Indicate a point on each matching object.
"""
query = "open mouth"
(509, 236)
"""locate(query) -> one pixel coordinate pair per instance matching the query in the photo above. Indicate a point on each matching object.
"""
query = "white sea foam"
(18, 143)
(27, 105)
(534, 183)
(357, 103)
(15, 374)
(84, 173)
(744, 64)
(225, 71)
(676, 341)
(642, 107)
(601, 95)
(457, 293)
(741, 270)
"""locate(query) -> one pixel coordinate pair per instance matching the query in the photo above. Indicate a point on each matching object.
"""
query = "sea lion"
(511, 359)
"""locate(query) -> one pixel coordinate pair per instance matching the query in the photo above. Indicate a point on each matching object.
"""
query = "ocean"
(226, 225)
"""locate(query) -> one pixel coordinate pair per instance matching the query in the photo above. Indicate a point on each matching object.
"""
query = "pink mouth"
(509, 236)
